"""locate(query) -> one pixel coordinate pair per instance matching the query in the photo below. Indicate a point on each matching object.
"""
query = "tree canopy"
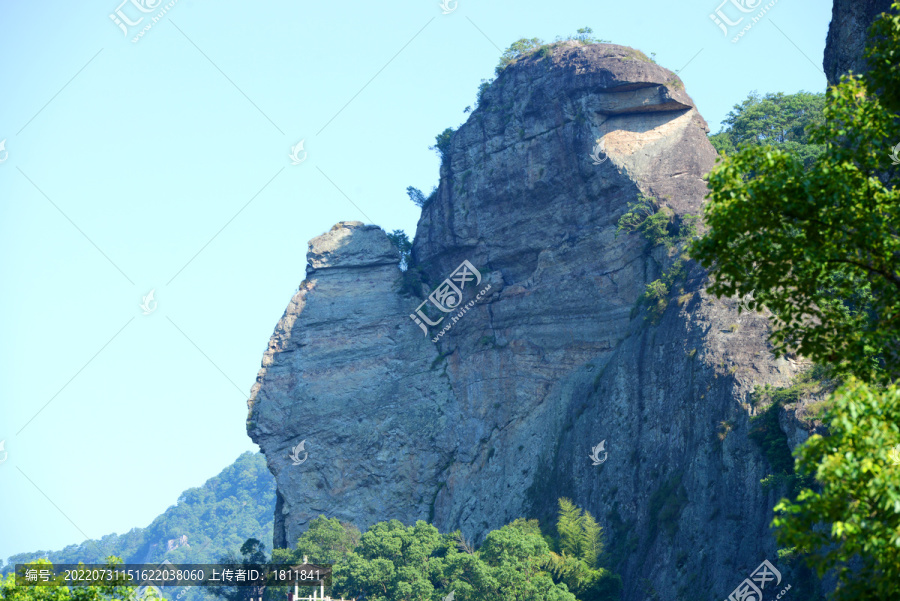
(783, 120)
(854, 509)
(394, 562)
(817, 243)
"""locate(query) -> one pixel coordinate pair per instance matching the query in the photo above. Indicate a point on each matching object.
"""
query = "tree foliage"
(854, 510)
(399, 239)
(252, 554)
(659, 225)
(817, 244)
(327, 540)
(784, 120)
(416, 196)
(517, 49)
(442, 147)
(394, 562)
(580, 545)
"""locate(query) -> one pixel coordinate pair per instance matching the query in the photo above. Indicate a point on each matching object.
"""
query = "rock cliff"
(847, 35)
(496, 420)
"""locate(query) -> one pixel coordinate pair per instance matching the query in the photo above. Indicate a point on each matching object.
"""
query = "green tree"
(394, 562)
(569, 527)
(818, 245)
(585, 36)
(442, 147)
(399, 239)
(580, 544)
(327, 540)
(784, 120)
(654, 222)
(517, 49)
(416, 196)
(854, 511)
(659, 225)
(390, 563)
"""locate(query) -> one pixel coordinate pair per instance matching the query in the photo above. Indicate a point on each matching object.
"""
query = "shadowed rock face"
(847, 36)
(497, 419)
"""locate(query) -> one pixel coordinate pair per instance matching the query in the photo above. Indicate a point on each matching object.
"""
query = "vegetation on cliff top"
(528, 46)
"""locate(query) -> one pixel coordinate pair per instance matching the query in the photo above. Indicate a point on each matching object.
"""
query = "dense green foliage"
(580, 547)
(237, 504)
(783, 120)
(657, 224)
(394, 562)
(327, 540)
(817, 243)
(854, 509)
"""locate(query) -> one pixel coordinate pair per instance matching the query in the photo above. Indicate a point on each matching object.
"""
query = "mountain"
(847, 35)
(556, 331)
(203, 525)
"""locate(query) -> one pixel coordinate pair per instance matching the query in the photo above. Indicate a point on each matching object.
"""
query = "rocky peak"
(351, 244)
(553, 353)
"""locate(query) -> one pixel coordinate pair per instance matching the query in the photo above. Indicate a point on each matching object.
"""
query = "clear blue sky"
(130, 167)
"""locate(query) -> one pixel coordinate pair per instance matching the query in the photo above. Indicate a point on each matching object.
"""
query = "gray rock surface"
(847, 36)
(497, 419)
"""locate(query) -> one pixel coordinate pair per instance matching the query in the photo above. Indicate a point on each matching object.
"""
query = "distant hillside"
(206, 522)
